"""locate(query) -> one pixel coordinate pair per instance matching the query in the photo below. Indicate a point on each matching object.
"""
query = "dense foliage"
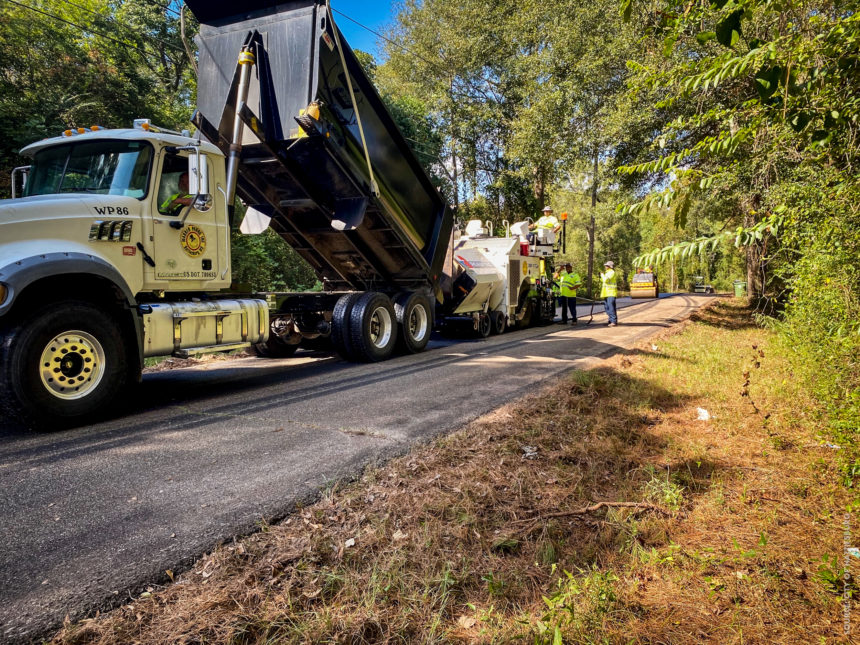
(761, 103)
(88, 62)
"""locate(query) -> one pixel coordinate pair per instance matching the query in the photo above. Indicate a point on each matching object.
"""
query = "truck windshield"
(97, 167)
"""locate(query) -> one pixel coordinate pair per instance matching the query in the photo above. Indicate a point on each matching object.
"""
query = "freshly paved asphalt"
(89, 517)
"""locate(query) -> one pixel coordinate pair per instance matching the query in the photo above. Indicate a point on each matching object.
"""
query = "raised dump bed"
(380, 226)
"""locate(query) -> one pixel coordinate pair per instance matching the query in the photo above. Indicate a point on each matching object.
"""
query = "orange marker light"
(67, 133)
(81, 130)
(564, 216)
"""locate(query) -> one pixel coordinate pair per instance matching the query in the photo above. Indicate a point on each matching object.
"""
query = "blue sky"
(372, 13)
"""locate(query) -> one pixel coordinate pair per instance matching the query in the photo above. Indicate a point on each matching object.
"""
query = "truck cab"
(113, 196)
(118, 249)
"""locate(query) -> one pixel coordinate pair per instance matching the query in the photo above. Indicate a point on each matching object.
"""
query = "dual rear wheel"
(368, 326)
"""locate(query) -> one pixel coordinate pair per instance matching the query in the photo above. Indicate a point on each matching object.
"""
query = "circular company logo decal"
(193, 240)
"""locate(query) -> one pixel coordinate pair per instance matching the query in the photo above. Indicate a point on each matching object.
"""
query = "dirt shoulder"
(603, 508)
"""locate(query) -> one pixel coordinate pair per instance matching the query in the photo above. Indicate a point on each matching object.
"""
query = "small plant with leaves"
(662, 490)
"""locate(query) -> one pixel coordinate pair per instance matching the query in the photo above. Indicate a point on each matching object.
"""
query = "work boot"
(611, 325)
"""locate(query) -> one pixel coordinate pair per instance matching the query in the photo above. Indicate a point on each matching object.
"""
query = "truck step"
(209, 349)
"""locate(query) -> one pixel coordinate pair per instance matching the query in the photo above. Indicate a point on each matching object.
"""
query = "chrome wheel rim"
(72, 365)
(380, 327)
(418, 323)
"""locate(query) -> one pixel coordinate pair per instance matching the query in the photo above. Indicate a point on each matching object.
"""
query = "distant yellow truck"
(644, 284)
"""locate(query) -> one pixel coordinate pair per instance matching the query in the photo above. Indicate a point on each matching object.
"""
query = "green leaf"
(626, 9)
(767, 81)
(821, 137)
(728, 30)
(668, 44)
(705, 36)
(799, 120)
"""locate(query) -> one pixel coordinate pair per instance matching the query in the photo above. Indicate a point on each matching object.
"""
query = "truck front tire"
(62, 365)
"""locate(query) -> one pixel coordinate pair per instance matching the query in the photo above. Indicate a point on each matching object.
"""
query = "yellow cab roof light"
(75, 131)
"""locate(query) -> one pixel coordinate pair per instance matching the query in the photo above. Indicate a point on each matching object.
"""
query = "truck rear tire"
(415, 318)
(62, 365)
(340, 325)
(372, 327)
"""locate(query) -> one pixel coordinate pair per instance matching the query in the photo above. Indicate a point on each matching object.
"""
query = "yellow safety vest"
(608, 289)
(165, 207)
(556, 282)
(570, 282)
(547, 221)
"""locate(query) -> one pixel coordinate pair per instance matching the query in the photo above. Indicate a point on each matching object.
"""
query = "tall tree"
(88, 62)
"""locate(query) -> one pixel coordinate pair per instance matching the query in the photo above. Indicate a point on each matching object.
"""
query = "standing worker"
(570, 282)
(556, 284)
(546, 221)
(609, 291)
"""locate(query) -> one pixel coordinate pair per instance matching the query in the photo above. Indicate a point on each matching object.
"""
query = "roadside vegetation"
(603, 508)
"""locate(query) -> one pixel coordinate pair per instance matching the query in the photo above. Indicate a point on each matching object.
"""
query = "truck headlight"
(3, 293)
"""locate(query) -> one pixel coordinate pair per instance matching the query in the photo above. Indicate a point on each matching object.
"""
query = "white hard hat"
(547, 208)
(609, 264)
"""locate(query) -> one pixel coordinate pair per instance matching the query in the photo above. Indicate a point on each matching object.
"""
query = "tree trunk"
(755, 283)
(591, 229)
(456, 180)
(539, 187)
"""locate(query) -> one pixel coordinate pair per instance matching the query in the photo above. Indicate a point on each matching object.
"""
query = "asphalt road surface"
(89, 517)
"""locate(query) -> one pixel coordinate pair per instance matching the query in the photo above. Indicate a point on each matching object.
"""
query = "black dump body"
(313, 180)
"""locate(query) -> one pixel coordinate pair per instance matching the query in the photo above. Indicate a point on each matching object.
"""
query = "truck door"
(188, 240)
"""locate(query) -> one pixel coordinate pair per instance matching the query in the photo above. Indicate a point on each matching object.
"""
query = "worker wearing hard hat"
(609, 291)
(546, 221)
(570, 282)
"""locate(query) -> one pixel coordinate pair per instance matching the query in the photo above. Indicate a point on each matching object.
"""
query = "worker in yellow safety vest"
(609, 291)
(570, 282)
(556, 282)
(174, 204)
(546, 221)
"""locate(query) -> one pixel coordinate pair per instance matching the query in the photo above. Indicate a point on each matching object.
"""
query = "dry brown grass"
(460, 540)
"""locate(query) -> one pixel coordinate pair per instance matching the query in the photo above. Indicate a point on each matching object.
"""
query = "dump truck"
(115, 246)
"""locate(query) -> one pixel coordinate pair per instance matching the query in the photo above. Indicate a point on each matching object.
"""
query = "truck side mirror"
(24, 173)
(198, 181)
